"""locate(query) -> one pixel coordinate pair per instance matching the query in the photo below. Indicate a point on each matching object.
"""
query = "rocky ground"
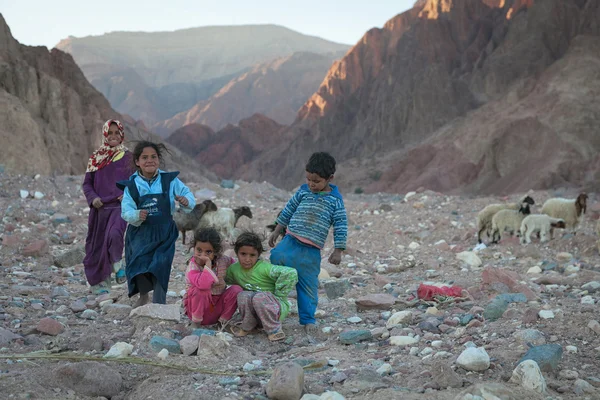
(377, 339)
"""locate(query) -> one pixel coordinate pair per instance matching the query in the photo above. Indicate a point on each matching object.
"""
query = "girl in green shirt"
(266, 287)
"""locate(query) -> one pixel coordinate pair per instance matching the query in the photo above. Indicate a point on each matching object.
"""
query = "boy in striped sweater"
(307, 217)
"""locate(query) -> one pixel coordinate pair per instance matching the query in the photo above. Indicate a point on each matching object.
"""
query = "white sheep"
(224, 220)
(484, 218)
(541, 223)
(508, 220)
(569, 210)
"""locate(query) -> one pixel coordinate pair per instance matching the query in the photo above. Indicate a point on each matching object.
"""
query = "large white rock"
(470, 258)
(528, 375)
(119, 350)
(399, 318)
(474, 359)
(403, 340)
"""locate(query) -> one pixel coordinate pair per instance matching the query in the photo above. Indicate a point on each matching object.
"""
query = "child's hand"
(273, 239)
(336, 257)
(143, 215)
(182, 200)
(203, 261)
(97, 203)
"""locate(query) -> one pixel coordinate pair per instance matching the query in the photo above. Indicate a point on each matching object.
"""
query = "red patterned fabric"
(106, 154)
(428, 292)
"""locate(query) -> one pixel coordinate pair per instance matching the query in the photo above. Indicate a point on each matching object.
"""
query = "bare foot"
(310, 329)
(144, 299)
(196, 325)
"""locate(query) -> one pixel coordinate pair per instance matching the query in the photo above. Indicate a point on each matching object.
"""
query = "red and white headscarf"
(106, 154)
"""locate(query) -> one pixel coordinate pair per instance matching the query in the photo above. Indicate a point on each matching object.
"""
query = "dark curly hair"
(160, 149)
(322, 164)
(209, 235)
(249, 238)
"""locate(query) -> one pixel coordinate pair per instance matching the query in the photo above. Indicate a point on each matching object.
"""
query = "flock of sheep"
(516, 218)
(495, 219)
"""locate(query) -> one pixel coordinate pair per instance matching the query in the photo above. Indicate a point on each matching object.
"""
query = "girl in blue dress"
(148, 205)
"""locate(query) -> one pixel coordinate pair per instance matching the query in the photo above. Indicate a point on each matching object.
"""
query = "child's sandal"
(238, 331)
(274, 337)
(121, 276)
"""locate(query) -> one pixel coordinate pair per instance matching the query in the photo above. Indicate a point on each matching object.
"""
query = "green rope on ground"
(125, 360)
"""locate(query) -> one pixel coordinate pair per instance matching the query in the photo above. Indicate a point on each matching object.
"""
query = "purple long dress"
(106, 229)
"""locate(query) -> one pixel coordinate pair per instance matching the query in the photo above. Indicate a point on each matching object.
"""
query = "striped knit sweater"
(310, 215)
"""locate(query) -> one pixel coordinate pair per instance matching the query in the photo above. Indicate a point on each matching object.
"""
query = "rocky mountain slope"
(277, 89)
(153, 76)
(228, 151)
(474, 95)
(52, 117)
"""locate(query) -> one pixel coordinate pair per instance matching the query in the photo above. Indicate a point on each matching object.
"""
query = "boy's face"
(247, 256)
(317, 183)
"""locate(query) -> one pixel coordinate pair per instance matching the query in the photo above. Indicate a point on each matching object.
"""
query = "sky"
(46, 22)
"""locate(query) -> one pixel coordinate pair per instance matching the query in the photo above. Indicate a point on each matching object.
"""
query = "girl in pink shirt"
(208, 300)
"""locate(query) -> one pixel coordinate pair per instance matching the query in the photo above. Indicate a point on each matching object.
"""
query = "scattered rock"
(385, 369)
(581, 387)
(353, 337)
(546, 314)
(50, 326)
(591, 287)
(589, 300)
(492, 275)
(489, 390)
(474, 359)
(163, 354)
(594, 326)
(495, 309)
(88, 378)
(547, 356)
(532, 336)
(400, 318)
(119, 350)
(70, 257)
(37, 248)
(166, 312)
(528, 375)
(89, 314)
(403, 340)
(189, 344)
(77, 306)
(157, 343)
(116, 311)
(443, 374)
(336, 288)
(6, 337)
(287, 382)
(375, 302)
(534, 270)
(470, 258)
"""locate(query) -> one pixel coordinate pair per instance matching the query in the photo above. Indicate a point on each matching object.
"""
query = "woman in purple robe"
(104, 242)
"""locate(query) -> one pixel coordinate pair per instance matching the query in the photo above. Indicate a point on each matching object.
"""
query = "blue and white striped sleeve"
(289, 209)
(340, 226)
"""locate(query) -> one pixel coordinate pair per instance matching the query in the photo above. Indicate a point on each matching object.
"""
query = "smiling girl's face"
(148, 162)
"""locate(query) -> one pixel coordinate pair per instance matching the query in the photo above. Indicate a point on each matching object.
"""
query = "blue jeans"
(306, 260)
